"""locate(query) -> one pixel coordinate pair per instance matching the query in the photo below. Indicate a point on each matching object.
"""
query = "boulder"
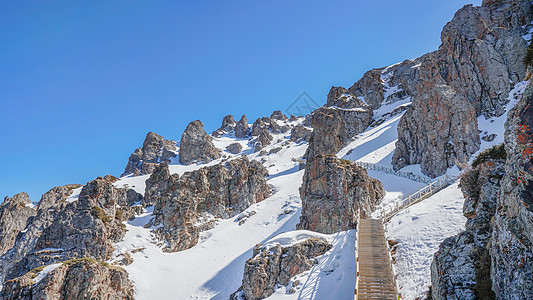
(234, 148)
(300, 133)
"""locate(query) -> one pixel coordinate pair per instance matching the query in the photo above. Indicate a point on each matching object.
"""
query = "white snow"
(75, 194)
(419, 230)
(495, 125)
(45, 272)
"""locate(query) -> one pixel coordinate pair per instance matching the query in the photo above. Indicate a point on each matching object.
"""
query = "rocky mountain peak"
(196, 145)
(155, 150)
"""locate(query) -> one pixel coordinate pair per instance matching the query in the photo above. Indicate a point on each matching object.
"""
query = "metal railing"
(418, 196)
(410, 176)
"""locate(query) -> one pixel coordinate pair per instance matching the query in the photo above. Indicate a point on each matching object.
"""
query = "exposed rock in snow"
(228, 124)
(65, 230)
(15, 215)
(278, 115)
(155, 149)
(234, 148)
(461, 267)
(75, 279)
(512, 237)
(334, 193)
(241, 128)
(300, 133)
(470, 75)
(186, 205)
(275, 264)
(196, 145)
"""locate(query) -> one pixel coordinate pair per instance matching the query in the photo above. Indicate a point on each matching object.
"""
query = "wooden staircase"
(375, 278)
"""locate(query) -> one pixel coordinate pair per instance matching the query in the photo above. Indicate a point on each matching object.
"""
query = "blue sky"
(82, 82)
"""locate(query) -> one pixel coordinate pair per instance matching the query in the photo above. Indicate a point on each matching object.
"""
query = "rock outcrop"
(241, 128)
(196, 145)
(335, 124)
(276, 265)
(186, 205)
(461, 266)
(511, 248)
(155, 150)
(75, 279)
(234, 148)
(493, 257)
(15, 214)
(334, 193)
(477, 64)
(61, 230)
(228, 124)
(300, 133)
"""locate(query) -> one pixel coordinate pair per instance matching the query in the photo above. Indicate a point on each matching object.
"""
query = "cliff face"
(493, 258)
(471, 74)
(512, 238)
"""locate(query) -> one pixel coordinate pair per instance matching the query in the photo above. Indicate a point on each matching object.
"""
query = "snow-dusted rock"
(155, 149)
(241, 128)
(196, 145)
(274, 264)
(300, 133)
(512, 237)
(15, 214)
(234, 148)
(228, 124)
(461, 266)
(75, 279)
(471, 74)
(334, 193)
(185, 205)
(84, 227)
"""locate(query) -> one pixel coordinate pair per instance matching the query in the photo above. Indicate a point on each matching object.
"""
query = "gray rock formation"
(278, 115)
(241, 128)
(15, 214)
(512, 237)
(276, 265)
(228, 124)
(471, 74)
(186, 205)
(300, 133)
(493, 257)
(196, 145)
(461, 267)
(334, 193)
(336, 124)
(234, 148)
(155, 150)
(75, 279)
(62, 230)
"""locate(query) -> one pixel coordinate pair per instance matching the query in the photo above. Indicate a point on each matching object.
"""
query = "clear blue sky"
(82, 82)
